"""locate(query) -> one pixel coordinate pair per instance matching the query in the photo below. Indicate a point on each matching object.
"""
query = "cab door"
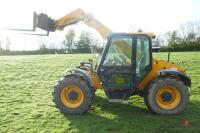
(116, 67)
(143, 58)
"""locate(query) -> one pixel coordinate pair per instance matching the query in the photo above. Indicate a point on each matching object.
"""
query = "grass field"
(26, 83)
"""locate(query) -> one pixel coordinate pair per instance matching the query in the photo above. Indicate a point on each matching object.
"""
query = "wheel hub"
(166, 96)
(73, 95)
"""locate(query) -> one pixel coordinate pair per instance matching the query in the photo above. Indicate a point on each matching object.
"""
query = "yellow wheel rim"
(72, 96)
(168, 97)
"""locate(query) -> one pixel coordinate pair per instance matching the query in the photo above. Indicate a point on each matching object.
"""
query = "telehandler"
(126, 68)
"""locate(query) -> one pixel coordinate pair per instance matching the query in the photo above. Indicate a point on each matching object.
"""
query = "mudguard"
(175, 73)
(79, 72)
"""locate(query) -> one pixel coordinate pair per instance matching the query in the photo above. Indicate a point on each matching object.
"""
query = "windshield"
(119, 52)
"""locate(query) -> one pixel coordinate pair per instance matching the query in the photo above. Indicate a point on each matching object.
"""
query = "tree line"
(186, 38)
(85, 43)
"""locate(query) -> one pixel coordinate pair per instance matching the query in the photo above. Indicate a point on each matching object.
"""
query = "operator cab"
(126, 60)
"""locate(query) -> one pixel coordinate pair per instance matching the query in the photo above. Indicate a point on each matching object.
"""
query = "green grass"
(26, 83)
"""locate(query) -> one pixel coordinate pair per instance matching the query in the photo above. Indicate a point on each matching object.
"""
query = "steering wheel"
(125, 60)
(117, 61)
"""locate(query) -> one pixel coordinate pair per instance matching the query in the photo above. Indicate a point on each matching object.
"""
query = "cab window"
(119, 52)
(142, 56)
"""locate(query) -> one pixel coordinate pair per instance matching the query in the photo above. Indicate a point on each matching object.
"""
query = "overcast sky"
(119, 15)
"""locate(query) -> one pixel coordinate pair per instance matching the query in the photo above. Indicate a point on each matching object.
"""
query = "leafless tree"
(7, 44)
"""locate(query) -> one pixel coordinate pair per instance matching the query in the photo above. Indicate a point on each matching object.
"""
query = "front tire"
(167, 96)
(72, 95)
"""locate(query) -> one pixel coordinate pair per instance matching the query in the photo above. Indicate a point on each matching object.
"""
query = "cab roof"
(150, 34)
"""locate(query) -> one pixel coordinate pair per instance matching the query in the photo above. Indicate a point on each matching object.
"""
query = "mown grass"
(26, 83)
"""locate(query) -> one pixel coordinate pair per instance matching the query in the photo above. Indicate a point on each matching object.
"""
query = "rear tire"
(167, 96)
(147, 104)
(72, 95)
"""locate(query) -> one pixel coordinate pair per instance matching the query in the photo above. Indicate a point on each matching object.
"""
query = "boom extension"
(80, 15)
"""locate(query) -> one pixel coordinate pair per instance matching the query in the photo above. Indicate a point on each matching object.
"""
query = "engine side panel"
(157, 67)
